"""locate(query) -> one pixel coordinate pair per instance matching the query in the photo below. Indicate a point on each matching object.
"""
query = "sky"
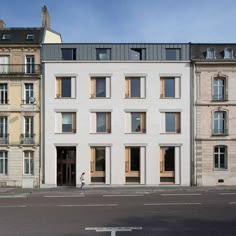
(129, 21)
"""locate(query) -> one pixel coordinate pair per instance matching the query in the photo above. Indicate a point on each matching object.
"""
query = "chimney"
(45, 17)
(2, 24)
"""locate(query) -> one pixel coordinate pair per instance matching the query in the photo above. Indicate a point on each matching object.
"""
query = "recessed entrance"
(66, 166)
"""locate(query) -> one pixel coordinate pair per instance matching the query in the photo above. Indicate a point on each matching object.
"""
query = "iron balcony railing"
(4, 138)
(27, 138)
(19, 69)
(219, 98)
(220, 132)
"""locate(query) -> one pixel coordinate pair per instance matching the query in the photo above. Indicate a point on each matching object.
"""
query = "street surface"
(118, 212)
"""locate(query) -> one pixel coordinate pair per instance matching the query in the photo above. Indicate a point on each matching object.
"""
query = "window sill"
(135, 97)
(100, 98)
(169, 133)
(170, 98)
(220, 169)
(66, 133)
(135, 133)
(100, 133)
(59, 98)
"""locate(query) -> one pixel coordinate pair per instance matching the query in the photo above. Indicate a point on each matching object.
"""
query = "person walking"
(82, 180)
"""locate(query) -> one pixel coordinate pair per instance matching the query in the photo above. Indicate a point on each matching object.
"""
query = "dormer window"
(6, 37)
(211, 53)
(228, 53)
(30, 37)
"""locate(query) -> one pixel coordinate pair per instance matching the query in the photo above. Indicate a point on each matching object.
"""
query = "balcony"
(4, 139)
(19, 69)
(220, 132)
(27, 138)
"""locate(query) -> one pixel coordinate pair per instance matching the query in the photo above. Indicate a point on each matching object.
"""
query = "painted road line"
(89, 205)
(181, 194)
(64, 196)
(20, 206)
(232, 203)
(227, 193)
(123, 195)
(172, 204)
(113, 230)
(14, 196)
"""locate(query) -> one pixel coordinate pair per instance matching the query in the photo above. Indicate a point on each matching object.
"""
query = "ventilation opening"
(220, 181)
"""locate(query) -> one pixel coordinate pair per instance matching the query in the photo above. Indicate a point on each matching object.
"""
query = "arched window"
(219, 89)
(220, 157)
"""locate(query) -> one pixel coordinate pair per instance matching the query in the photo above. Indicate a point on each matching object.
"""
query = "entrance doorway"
(66, 166)
(167, 165)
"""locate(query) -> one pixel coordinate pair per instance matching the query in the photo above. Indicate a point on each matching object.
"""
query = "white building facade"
(120, 116)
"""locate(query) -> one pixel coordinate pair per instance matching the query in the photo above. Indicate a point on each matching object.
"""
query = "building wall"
(51, 37)
(204, 108)
(118, 105)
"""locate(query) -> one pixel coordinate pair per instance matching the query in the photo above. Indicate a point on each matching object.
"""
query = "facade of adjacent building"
(118, 112)
(214, 74)
(20, 78)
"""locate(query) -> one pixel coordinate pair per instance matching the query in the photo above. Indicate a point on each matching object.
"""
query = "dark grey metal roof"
(19, 36)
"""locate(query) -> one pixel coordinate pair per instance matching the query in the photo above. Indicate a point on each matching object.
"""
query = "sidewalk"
(116, 189)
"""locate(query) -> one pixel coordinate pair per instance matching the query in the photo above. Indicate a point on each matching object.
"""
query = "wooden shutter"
(58, 87)
(177, 122)
(93, 87)
(127, 87)
(74, 122)
(108, 122)
(162, 87)
(92, 163)
(162, 151)
(127, 159)
(143, 122)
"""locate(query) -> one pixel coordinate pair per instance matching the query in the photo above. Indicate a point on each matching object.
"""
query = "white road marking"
(123, 195)
(227, 193)
(89, 205)
(13, 196)
(19, 206)
(172, 203)
(65, 196)
(232, 203)
(181, 194)
(113, 230)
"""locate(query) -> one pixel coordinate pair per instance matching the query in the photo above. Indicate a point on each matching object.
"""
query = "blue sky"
(141, 21)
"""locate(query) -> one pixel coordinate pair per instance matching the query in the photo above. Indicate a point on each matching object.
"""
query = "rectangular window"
(228, 53)
(3, 130)
(171, 122)
(3, 163)
(167, 164)
(220, 157)
(173, 54)
(3, 94)
(30, 64)
(132, 164)
(29, 37)
(219, 124)
(98, 164)
(210, 54)
(28, 163)
(65, 87)
(137, 54)
(103, 122)
(29, 93)
(135, 87)
(68, 122)
(170, 87)
(68, 54)
(6, 37)
(28, 135)
(4, 64)
(219, 89)
(138, 122)
(103, 54)
(99, 87)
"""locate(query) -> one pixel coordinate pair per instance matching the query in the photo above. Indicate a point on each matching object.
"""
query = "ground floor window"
(167, 164)
(132, 164)
(220, 157)
(28, 163)
(98, 164)
(3, 163)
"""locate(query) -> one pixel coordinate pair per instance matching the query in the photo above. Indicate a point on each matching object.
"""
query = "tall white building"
(118, 112)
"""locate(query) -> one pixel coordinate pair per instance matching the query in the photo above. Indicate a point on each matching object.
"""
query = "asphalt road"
(118, 213)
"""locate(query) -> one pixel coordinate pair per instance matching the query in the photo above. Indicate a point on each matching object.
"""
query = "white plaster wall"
(118, 139)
